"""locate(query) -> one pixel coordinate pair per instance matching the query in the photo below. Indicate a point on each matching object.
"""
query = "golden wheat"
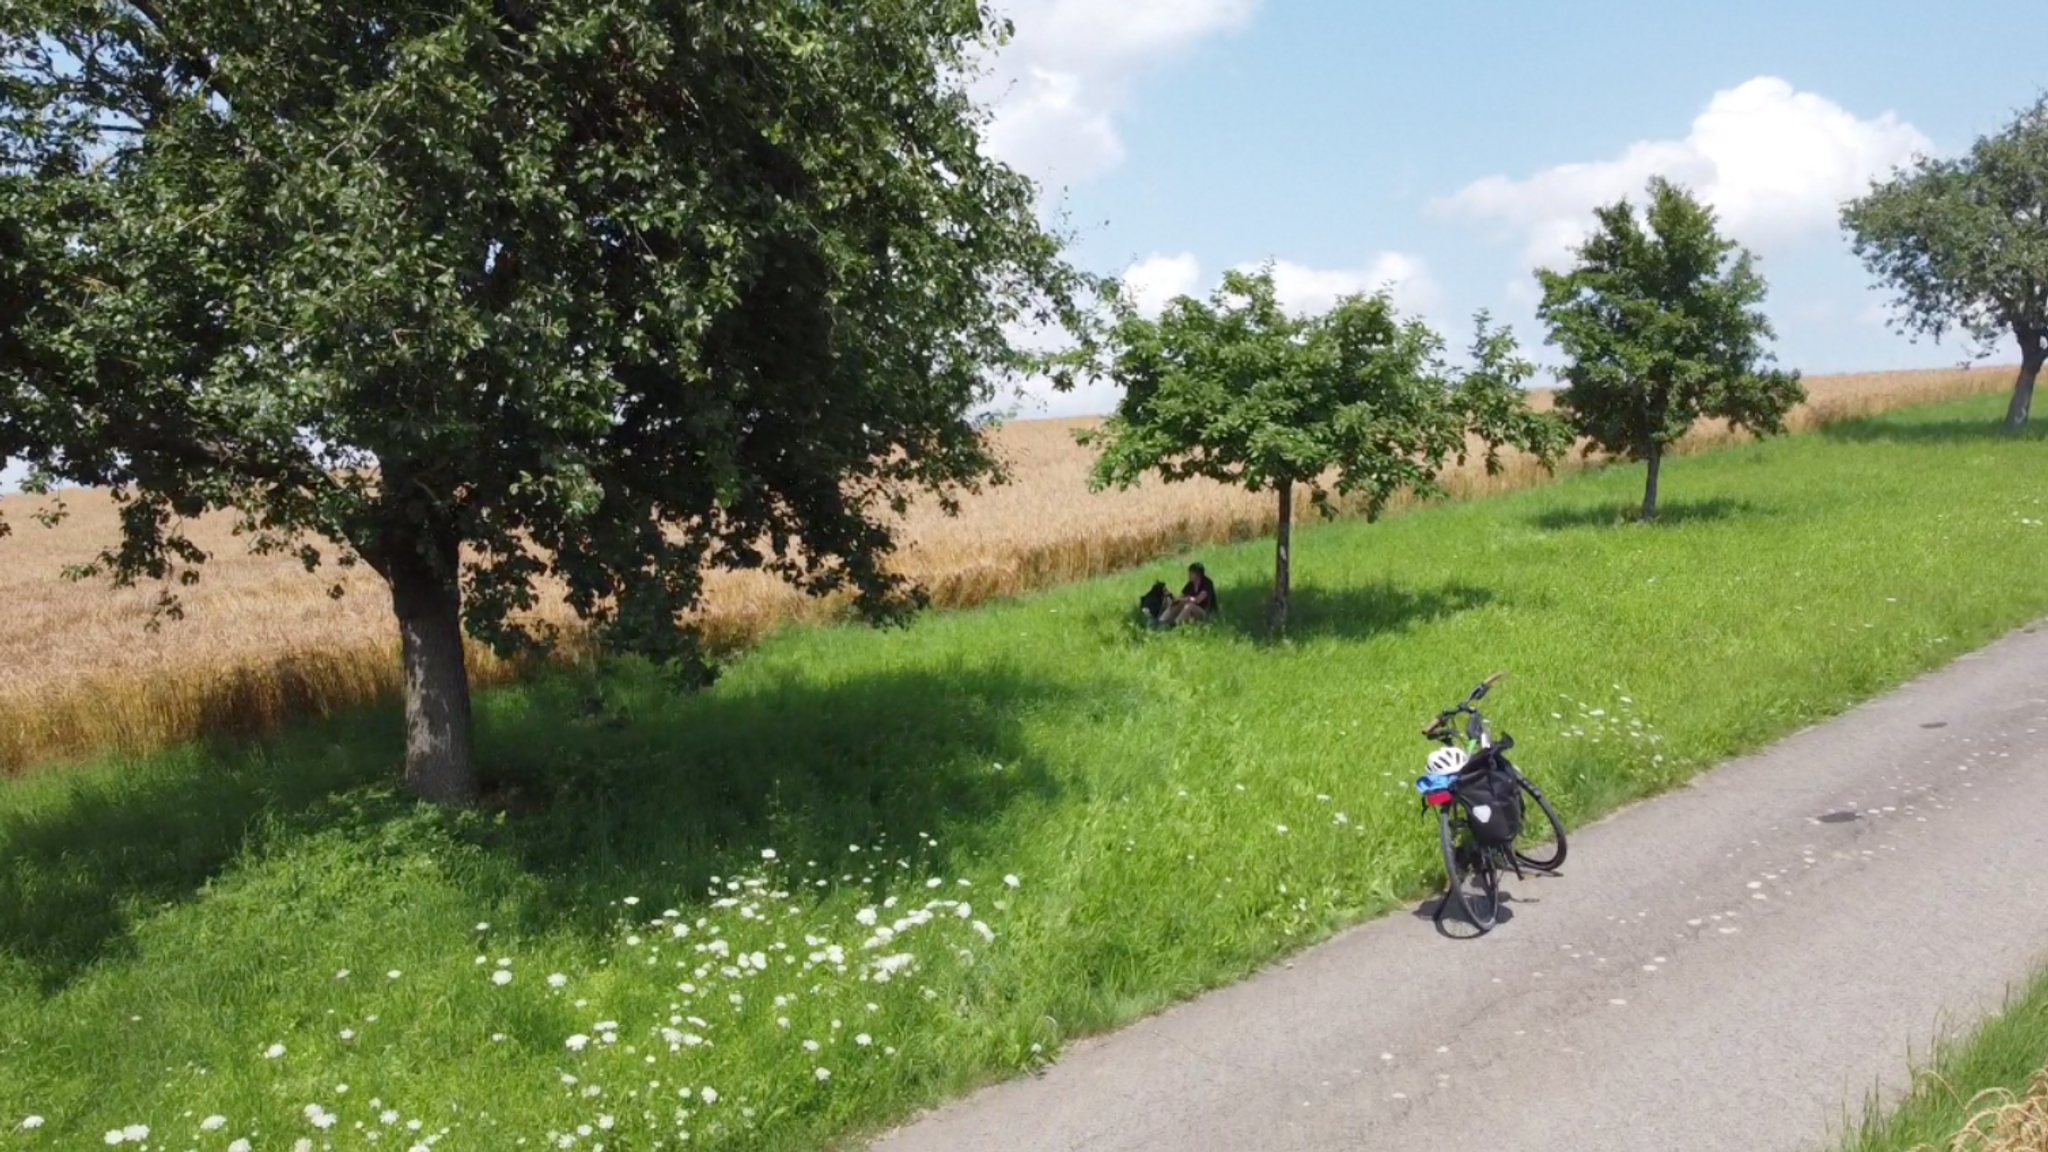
(263, 641)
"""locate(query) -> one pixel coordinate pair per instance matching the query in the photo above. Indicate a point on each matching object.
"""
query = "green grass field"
(1994, 1067)
(871, 870)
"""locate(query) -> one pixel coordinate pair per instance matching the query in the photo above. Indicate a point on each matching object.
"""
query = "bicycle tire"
(1554, 859)
(1481, 905)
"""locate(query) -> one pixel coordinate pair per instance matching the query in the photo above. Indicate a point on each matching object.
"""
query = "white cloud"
(1048, 125)
(1154, 281)
(1774, 162)
(1058, 86)
(1404, 277)
(12, 473)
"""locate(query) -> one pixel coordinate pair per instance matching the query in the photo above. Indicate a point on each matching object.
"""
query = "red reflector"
(1438, 799)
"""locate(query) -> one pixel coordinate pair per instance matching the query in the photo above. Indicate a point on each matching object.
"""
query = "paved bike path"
(1732, 966)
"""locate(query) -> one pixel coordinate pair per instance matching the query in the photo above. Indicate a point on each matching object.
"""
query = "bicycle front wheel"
(1543, 849)
(1474, 882)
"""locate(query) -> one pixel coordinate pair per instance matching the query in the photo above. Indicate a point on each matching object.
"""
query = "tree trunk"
(426, 595)
(2033, 351)
(1276, 612)
(1656, 463)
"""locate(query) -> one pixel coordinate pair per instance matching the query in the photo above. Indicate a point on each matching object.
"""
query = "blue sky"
(1447, 148)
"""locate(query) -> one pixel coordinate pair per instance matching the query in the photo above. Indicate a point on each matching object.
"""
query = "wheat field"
(263, 642)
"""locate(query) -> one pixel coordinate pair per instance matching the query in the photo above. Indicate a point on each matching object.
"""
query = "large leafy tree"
(1354, 402)
(1962, 244)
(486, 293)
(1661, 326)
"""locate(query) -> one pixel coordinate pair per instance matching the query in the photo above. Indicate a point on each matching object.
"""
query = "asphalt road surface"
(1737, 965)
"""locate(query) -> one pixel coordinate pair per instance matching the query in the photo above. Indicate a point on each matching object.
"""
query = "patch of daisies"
(1613, 726)
(694, 1027)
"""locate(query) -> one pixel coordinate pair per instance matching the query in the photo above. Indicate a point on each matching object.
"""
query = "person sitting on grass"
(1197, 601)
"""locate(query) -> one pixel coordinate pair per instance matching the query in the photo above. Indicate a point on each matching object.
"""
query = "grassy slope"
(1175, 809)
(2006, 1056)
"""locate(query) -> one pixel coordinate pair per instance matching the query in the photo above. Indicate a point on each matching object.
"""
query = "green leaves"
(1661, 325)
(1237, 390)
(1356, 401)
(609, 292)
(576, 271)
(1963, 244)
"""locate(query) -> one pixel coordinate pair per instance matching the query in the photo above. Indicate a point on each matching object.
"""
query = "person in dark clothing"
(1154, 603)
(1197, 600)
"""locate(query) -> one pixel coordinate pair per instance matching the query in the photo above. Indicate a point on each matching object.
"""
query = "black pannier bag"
(1492, 800)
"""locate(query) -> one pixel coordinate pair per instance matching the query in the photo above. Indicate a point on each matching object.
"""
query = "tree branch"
(192, 62)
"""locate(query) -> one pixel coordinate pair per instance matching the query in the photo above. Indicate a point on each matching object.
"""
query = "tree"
(486, 293)
(1355, 402)
(1963, 245)
(1660, 325)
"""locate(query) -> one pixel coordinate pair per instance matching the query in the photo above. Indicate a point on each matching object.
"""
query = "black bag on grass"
(1492, 801)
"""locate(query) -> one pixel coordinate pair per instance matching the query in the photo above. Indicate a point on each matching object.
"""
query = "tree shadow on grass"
(99, 847)
(684, 791)
(645, 791)
(1360, 612)
(1933, 432)
(1669, 514)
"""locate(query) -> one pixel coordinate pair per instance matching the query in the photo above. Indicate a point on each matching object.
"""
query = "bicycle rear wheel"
(1474, 881)
(1544, 847)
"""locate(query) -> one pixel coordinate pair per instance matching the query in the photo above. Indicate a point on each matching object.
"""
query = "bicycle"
(1471, 860)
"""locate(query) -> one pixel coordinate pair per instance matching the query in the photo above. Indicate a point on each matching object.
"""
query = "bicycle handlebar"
(1435, 726)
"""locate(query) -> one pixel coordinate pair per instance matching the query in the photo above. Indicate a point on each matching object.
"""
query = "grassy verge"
(871, 870)
(1986, 1094)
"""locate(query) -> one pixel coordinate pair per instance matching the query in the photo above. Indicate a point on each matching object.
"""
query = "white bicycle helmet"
(1448, 761)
